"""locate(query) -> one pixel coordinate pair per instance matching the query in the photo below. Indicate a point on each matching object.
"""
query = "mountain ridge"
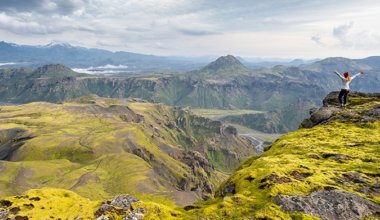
(75, 56)
(289, 91)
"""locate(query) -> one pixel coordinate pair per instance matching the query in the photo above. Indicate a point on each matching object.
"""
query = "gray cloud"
(317, 39)
(21, 25)
(348, 36)
(360, 39)
(194, 32)
(342, 31)
(19, 5)
(64, 7)
(188, 26)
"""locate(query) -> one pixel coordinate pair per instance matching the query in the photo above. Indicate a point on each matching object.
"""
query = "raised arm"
(356, 75)
(338, 74)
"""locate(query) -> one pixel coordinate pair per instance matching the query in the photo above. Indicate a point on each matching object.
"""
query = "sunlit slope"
(330, 170)
(53, 203)
(101, 147)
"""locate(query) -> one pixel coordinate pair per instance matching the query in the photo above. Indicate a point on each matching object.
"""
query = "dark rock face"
(229, 188)
(201, 168)
(354, 177)
(231, 130)
(334, 205)
(319, 116)
(21, 217)
(274, 178)
(11, 140)
(332, 99)
(5, 203)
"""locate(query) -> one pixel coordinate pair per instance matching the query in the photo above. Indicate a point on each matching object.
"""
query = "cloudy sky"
(249, 28)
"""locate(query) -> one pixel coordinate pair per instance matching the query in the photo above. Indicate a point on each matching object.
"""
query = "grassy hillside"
(340, 156)
(102, 147)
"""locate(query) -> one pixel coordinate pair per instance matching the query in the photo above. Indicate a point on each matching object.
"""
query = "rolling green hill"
(101, 147)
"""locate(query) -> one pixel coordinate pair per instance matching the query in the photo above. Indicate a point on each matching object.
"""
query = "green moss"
(299, 152)
(57, 203)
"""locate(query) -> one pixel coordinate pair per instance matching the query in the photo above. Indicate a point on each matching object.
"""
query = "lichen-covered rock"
(124, 201)
(120, 205)
(137, 214)
(334, 205)
(102, 218)
(3, 214)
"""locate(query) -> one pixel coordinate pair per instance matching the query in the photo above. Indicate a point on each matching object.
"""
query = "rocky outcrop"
(200, 167)
(332, 98)
(120, 205)
(331, 111)
(317, 117)
(334, 205)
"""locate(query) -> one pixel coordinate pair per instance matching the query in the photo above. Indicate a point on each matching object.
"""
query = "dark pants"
(343, 96)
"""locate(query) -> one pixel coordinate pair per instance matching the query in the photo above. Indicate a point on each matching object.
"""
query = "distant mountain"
(268, 63)
(56, 70)
(73, 56)
(225, 66)
(373, 61)
(284, 92)
(337, 63)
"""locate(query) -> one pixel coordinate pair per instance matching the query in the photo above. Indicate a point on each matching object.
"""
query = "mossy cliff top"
(329, 170)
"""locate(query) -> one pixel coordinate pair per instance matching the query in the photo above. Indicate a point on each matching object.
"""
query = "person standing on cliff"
(346, 79)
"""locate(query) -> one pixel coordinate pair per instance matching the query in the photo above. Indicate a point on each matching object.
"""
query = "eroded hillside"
(102, 147)
(329, 170)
